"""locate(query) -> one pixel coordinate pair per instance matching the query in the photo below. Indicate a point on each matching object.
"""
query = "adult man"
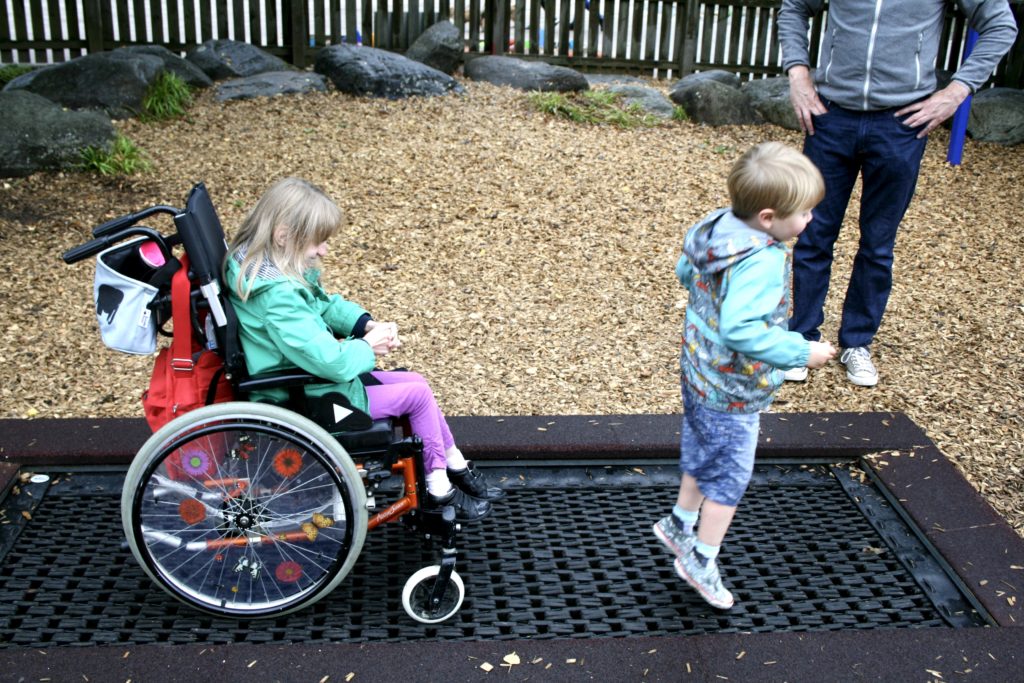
(871, 104)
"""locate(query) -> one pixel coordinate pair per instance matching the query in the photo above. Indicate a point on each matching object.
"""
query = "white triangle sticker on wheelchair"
(340, 413)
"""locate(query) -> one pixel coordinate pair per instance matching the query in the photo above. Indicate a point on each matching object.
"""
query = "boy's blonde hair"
(304, 211)
(774, 176)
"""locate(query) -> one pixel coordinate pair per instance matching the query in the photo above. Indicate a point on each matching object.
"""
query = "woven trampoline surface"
(568, 554)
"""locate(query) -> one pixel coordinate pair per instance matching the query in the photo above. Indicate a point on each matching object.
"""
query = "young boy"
(735, 348)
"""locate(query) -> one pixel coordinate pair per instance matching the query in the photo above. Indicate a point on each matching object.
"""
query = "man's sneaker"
(705, 579)
(674, 538)
(859, 368)
(796, 375)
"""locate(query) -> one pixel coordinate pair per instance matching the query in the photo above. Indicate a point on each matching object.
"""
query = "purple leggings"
(407, 393)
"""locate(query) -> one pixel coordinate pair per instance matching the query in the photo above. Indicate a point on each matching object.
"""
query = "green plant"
(168, 97)
(679, 114)
(8, 72)
(123, 158)
(593, 107)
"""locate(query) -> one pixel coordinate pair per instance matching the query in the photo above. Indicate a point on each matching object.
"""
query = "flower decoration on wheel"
(191, 511)
(195, 461)
(288, 572)
(288, 462)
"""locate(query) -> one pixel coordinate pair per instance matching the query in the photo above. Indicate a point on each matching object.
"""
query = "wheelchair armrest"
(333, 410)
(279, 380)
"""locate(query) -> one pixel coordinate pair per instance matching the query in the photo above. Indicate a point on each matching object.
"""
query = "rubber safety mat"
(568, 553)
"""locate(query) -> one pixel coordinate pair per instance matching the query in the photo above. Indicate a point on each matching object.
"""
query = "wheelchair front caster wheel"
(416, 596)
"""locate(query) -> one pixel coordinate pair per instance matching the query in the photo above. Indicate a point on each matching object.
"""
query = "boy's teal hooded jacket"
(284, 325)
(735, 341)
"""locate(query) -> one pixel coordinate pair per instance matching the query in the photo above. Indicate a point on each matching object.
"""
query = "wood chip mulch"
(529, 262)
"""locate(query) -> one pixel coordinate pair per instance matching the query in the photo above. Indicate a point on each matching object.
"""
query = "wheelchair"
(250, 510)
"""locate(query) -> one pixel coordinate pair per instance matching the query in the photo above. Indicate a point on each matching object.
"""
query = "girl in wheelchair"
(288, 321)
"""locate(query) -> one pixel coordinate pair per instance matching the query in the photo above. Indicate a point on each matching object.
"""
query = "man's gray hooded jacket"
(878, 54)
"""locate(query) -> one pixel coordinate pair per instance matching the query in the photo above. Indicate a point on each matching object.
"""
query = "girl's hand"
(821, 353)
(379, 339)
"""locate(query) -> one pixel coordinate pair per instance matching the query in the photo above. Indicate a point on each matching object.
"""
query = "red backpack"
(185, 375)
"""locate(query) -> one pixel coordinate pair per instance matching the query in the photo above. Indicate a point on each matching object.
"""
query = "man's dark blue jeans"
(888, 155)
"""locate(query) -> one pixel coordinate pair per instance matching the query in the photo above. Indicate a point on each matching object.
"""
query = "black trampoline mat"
(568, 554)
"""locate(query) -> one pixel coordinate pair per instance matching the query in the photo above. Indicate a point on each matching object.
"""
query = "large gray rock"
(997, 115)
(115, 82)
(439, 47)
(614, 79)
(38, 134)
(716, 75)
(525, 75)
(715, 104)
(770, 98)
(191, 74)
(270, 84)
(649, 99)
(379, 73)
(220, 59)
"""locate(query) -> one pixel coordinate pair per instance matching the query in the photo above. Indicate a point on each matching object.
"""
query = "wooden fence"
(663, 38)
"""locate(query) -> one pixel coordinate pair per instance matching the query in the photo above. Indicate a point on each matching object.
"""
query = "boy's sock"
(438, 484)
(705, 553)
(456, 461)
(685, 519)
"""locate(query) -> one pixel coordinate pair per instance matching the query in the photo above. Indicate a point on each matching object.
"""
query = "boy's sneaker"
(674, 538)
(705, 579)
(859, 368)
(796, 375)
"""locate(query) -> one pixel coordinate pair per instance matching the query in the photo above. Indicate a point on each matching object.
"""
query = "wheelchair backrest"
(203, 238)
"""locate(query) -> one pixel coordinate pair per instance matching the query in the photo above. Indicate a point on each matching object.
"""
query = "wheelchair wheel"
(244, 509)
(416, 596)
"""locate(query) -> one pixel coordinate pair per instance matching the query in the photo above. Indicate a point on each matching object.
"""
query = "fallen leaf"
(487, 666)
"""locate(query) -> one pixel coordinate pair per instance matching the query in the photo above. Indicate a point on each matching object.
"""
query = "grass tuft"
(8, 72)
(124, 158)
(168, 97)
(596, 107)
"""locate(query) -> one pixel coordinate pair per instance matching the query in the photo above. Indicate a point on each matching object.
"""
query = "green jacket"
(284, 326)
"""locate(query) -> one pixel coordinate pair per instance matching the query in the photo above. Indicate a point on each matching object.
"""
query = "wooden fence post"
(93, 26)
(688, 50)
(299, 33)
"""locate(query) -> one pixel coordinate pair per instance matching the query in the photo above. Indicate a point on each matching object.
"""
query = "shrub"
(8, 72)
(168, 97)
(601, 107)
(124, 158)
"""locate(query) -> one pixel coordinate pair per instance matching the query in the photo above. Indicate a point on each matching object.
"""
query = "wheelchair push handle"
(93, 247)
(117, 224)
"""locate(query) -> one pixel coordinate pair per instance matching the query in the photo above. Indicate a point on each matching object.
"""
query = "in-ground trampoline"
(831, 538)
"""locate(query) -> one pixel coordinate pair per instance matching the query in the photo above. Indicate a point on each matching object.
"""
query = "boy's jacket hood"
(720, 240)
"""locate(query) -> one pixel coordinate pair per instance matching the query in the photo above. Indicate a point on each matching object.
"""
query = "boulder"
(715, 104)
(379, 73)
(716, 75)
(612, 79)
(270, 84)
(997, 115)
(220, 59)
(38, 134)
(439, 47)
(770, 98)
(525, 75)
(188, 72)
(115, 82)
(647, 98)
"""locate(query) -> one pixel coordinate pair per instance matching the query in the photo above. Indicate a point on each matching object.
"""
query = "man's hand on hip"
(931, 112)
(804, 98)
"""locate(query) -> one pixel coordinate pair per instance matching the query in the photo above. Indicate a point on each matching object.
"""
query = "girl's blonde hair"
(306, 214)
(775, 176)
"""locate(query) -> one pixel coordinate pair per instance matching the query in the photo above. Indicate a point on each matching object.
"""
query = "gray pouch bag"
(122, 296)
